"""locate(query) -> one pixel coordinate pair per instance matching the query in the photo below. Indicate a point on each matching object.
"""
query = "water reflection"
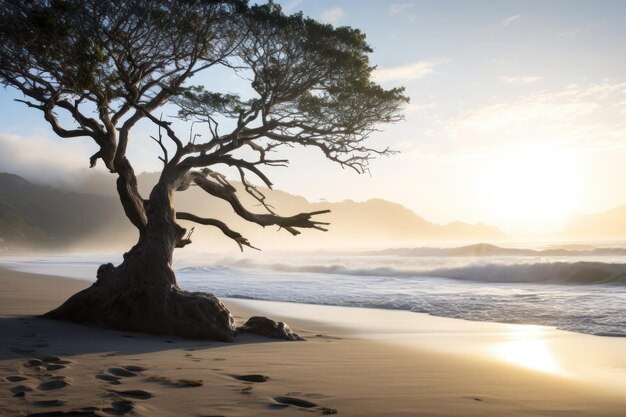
(530, 349)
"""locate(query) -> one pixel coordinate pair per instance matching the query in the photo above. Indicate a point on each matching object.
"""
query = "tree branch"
(54, 121)
(237, 237)
(228, 193)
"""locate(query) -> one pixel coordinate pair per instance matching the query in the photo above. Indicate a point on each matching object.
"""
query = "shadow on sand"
(28, 337)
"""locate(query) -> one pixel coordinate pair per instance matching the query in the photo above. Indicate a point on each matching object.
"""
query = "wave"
(546, 272)
(542, 272)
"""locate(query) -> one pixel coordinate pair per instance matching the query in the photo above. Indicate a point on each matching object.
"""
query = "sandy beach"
(354, 362)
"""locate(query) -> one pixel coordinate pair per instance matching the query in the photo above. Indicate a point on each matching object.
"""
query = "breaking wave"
(535, 293)
(542, 272)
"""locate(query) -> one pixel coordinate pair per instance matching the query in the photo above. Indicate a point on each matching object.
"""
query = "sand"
(354, 362)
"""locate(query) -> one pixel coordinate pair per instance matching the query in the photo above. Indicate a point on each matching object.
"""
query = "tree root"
(117, 301)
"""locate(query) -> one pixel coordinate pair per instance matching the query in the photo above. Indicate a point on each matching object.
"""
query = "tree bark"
(130, 198)
(141, 294)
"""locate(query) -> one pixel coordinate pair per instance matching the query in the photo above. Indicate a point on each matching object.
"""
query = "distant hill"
(14, 229)
(610, 224)
(90, 215)
(38, 215)
(374, 222)
(486, 250)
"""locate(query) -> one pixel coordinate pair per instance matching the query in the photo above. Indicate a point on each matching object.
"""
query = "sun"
(532, 190)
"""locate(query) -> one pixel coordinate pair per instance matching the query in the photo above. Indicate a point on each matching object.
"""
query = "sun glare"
(535, 191)
(528, 348)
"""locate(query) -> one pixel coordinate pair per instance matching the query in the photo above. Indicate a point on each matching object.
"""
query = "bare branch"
(159, 141)
(302, 220)
(237, 237)
(254, 191)
(52, 119)
(170, 132)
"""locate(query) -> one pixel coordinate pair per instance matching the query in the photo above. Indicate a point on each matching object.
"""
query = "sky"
(517, 116)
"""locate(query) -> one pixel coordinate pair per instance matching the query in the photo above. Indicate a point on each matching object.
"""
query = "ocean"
(575, 288)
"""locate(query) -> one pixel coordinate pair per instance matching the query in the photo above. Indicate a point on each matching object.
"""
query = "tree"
(95, 68)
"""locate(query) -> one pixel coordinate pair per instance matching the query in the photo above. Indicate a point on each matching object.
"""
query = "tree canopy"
(107, 64)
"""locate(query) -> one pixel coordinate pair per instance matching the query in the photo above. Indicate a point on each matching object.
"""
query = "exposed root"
(125, 301)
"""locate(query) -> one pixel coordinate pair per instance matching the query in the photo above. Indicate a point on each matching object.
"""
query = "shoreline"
(589, 309)
(355, 361)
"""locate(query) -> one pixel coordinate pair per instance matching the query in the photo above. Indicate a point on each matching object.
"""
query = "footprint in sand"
(49, 403)
(54, 384)
(20, 390)
(115, 374)
(47, 363)
(189, 383)
(296, 402)
(111, 379)
(120, 407)
(138, 394)
(52, 359)
(134, 368)
(16, 378)
(327, 337)
(193, 358)
(285, 401)
(126, 371)
(33, 363)
(251, 378)
(75, 413)
(121, 372)
(181, 383)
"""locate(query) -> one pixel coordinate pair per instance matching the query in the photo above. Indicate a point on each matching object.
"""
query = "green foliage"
(99, 46)
(311, 81)
(45, 38)
(313, 85)
(196, 100)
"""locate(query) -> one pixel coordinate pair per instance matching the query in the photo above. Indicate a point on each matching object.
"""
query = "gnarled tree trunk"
(141, 294)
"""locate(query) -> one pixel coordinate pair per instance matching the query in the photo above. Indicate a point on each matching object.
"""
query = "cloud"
(518, 79)
(332, 15)
(578, 117)
(510, 19)
(400, 7)
(408, 72)
(49, 161)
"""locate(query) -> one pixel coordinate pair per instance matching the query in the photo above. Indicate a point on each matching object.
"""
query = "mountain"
(89, 215)
(39, 215)
(610, 224)
(487, 250)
